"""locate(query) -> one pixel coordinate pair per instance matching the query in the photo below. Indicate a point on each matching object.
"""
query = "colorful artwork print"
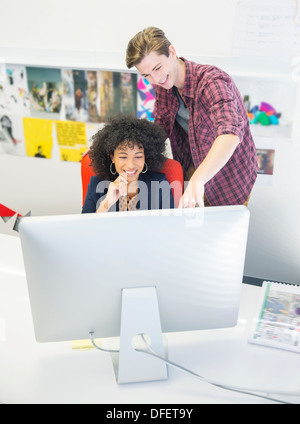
(146, 99)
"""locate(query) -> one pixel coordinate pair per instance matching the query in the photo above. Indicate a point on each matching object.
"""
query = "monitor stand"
(139, 315)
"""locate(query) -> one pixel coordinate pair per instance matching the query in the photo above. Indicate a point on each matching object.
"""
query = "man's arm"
(219, 154)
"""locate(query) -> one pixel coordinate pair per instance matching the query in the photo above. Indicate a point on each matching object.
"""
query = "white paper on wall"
(267, 28)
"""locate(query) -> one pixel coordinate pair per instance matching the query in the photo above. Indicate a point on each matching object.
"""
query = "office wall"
(95, 33)
(198, 27)
(92, 33)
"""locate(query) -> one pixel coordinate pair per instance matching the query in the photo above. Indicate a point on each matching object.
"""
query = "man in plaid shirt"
(203, 114)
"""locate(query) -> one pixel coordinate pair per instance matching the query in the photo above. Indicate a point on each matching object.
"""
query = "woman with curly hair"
(126, 156)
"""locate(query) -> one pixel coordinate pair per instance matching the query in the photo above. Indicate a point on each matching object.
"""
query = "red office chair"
(171, 168)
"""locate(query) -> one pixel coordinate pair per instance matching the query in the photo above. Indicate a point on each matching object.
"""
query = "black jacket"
(154, 193)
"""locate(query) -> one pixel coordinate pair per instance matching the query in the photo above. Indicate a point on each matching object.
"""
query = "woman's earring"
(146, 169)
(110, 168)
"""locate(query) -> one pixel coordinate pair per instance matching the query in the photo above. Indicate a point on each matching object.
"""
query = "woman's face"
(129, 161)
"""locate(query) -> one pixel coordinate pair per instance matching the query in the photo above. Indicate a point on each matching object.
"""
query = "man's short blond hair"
(151, 39)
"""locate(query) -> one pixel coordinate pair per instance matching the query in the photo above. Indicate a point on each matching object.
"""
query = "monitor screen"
(181, 267)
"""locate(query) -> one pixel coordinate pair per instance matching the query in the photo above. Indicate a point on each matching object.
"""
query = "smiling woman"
(129, 160)
(126, 155)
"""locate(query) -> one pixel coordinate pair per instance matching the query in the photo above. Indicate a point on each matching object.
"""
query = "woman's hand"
(116, 189)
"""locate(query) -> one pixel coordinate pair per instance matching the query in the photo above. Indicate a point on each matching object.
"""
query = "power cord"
(91, 333)
(242, 390)
(246, 391)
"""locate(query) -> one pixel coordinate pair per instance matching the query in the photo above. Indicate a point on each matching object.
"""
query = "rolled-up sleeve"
(220, 96)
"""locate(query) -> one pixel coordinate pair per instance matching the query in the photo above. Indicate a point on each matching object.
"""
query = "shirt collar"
(189, 80)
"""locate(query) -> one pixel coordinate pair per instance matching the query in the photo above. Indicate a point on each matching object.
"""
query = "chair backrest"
(171, 168)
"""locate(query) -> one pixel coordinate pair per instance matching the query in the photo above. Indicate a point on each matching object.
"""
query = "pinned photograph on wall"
(80, 112)
(14, 103)
(145, 99)
(128, 103)
(14, 96)
(81, 97)
(68, 99)
(38, 137)
(107, 87)
(45, 92)
(265, 161)
(265, 158)
(11, 134)
(117, 94)
(75, 95)
(93, 97)
(71, 139)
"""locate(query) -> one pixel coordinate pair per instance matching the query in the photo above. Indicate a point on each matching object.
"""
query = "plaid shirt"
(215, 107)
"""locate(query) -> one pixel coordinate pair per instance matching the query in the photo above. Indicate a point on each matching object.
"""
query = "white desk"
(54, 373)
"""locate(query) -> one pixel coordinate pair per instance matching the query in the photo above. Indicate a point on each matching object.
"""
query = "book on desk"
(277, 320)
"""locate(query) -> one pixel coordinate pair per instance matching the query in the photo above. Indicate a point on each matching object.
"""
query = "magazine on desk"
(277, 320)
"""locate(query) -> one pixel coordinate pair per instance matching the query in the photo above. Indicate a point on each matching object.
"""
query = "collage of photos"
(45, 109)
(51, 112)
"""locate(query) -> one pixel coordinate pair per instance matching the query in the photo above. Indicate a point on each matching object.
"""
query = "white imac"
(126, 273)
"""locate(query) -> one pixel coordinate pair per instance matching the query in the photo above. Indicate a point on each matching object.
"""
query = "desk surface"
(54, 373)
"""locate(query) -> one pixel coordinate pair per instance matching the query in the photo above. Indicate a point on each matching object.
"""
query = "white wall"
(95, 33)
(196, 26)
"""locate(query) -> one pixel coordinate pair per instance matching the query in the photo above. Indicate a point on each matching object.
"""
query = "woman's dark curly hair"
(130, 131)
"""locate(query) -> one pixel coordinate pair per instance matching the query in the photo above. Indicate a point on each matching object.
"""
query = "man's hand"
(219, 154)
(193, 195)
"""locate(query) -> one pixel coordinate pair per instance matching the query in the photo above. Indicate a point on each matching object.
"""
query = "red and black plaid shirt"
(215, 107)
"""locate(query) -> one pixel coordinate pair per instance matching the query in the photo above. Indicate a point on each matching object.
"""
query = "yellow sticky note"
(70, 134)
(71, 139)
(38, 137)
(85, 344)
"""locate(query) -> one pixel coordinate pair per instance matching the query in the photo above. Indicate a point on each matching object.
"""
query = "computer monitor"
(121, 274)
